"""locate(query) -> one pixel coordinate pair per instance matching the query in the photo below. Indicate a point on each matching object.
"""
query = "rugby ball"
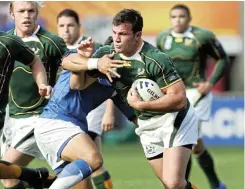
(147, 89)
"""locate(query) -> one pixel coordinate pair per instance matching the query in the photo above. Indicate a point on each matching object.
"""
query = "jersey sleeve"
(102, 51)
(23, 53)
(162, 70)
(214, 49)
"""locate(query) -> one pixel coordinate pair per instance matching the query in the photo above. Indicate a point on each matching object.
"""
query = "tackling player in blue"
(61, 132)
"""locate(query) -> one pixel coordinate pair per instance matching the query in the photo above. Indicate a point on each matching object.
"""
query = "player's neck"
(136, 49)
(21, 34)
(76, 40)
(183, 33)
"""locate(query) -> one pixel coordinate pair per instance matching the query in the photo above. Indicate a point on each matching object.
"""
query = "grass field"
(130, 170)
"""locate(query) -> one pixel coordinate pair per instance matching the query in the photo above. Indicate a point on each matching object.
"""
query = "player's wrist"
(93, 63)
(210, 84)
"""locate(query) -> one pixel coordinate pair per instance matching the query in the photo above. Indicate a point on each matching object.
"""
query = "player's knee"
(174, 183)
(95, 160)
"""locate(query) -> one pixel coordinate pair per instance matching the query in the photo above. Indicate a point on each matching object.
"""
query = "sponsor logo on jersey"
(178, 40)
(188, 42)
(127, 64)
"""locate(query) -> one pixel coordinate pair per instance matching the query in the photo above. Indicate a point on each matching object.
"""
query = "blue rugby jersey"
(74, 105)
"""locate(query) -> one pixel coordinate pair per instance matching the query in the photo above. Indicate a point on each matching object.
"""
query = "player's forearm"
(110, 108)
(218, 71)
(170, 102)
(38, 72)
(75, 63)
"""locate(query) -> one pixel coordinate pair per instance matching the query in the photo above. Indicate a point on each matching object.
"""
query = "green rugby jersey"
(12, 48)
(190, 50)
(149, 63)
(24, 99)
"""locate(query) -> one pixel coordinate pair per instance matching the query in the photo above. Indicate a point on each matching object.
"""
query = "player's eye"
(32, 10)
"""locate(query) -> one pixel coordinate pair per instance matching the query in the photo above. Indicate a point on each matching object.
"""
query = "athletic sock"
(103, 181)
(188, 169)
(72, 174)
(190, 186)
(206, 163)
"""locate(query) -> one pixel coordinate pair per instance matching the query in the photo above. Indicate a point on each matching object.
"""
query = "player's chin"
(118, 50)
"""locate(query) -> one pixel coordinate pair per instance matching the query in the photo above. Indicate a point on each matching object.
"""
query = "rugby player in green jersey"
(168, 124)
(189, 47)
(25, 103)
(13, 49)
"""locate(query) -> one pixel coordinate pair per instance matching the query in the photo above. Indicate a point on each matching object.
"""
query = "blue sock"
(72, 174)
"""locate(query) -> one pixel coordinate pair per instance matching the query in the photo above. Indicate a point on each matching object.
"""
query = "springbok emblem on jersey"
(35, 50)
(140, 72)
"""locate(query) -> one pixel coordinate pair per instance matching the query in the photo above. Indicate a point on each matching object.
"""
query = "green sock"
(205, 161)
(188, 169)
(103, 181)
(190, 186)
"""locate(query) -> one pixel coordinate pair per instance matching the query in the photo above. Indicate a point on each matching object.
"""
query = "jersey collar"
(182, 35)
(74, 46)
(135, 56)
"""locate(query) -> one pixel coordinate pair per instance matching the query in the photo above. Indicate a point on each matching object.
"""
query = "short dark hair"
(130, 16)
(182, 6)
(69, 13)
(108, 41)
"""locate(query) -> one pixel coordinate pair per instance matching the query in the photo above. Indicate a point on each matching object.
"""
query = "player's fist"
(45, 90)
(107, 122)
(86, 47)
(203, 87)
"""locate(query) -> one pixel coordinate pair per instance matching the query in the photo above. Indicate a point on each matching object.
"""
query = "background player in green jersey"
(69, 27)
(189, 47)
(167, 124)
(12, 49)
(24, 107)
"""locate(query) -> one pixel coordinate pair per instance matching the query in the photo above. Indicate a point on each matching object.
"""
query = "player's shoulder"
(163, 34)
(202, 33)
(105, 49)
(152, 53)
(9, 38)
(49, 37)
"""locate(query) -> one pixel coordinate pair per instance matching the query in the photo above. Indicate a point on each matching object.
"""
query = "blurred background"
(224, 133)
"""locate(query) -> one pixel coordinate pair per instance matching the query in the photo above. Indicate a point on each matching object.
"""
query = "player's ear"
(11, 13)
(189, 20)
(138, 34)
